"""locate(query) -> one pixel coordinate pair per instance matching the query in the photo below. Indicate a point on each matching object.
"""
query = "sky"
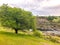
(37, 7)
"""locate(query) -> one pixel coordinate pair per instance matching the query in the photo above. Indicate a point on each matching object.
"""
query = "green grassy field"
(9, 38)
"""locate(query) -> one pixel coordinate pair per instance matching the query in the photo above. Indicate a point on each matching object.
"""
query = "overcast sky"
(37, 7)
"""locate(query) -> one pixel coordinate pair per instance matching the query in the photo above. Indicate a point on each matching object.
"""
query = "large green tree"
(16, 18)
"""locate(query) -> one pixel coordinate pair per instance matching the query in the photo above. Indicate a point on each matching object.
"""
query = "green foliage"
(16, 18)
(53, 39)
(8, 38)
(38, 34)
(57, 20)
(33, 23)
(50, 18)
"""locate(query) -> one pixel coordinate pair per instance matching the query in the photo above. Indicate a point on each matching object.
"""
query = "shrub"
(38, 34)
(53, 39)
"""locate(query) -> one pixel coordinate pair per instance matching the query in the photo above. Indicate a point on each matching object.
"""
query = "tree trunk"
(16, 31)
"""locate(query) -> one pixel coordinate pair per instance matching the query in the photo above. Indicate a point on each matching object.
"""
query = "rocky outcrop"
(45, 25)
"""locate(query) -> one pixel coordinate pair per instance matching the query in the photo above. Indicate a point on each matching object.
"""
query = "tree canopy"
(16, 18)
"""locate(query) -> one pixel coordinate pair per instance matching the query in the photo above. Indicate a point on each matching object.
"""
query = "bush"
(38, 34)
(53, 39)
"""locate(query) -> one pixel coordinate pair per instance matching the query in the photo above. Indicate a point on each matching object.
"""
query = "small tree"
(50, 18)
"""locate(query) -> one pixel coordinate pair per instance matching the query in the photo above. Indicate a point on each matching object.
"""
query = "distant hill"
(44, 24)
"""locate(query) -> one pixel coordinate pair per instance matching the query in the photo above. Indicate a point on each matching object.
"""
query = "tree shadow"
(14, 35)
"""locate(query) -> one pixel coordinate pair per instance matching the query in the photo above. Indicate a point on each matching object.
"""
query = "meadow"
(10, 38)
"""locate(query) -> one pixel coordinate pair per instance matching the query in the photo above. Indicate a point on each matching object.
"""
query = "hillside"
(46, 25)
(8, 38)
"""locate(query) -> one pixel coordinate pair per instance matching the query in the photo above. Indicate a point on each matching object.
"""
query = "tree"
(16, 18)
(57, 20)
(50, 18)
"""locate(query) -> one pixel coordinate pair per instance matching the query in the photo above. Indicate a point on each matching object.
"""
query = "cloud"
(53, 10)
(50, 3)
(37, 7)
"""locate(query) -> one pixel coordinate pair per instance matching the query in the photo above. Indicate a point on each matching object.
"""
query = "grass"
(9, 38)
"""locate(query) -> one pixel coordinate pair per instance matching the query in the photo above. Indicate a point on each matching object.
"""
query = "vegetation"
(38, 34)
(57, 20)
(48, 23)
(21, 22)
(50, 18)
(16, 18)
(9, 38)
